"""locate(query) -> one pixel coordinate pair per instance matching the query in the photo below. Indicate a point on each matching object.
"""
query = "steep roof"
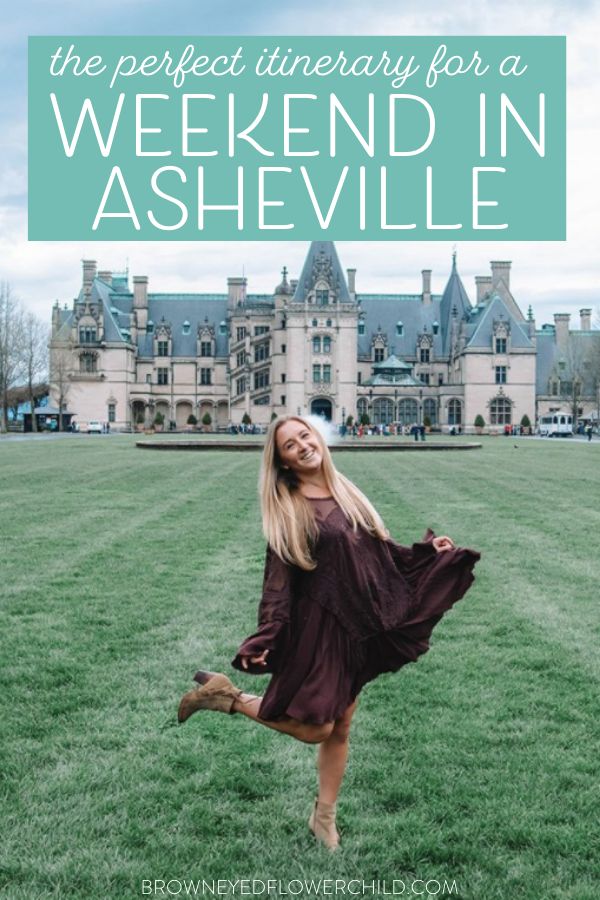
(483, 319)
(322, 262)
(454, 297)
(389, 311)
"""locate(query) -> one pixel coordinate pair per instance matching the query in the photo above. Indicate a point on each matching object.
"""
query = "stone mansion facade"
(122, 354)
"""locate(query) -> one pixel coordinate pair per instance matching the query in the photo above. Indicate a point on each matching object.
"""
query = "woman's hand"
(443, 542)
(257, 660)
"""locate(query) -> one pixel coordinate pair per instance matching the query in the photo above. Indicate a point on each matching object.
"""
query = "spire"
(455, 303)
(322, 266)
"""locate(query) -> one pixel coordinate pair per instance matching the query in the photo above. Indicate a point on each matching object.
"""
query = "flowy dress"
(368, 607)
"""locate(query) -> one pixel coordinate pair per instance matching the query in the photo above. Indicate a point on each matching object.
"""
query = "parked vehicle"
(557, 424)
(95, 428)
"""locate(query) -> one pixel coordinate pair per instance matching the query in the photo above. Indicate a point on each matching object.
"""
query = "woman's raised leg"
(249, 705)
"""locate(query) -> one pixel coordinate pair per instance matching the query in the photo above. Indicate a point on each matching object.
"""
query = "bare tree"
(11, 346)
(576, 372)
(61, 369)
(35, 357)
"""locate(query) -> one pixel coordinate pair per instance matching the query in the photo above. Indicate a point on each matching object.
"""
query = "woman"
(341, 604)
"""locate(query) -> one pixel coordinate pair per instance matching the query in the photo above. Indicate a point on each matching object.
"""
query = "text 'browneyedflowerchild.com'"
(297, 887)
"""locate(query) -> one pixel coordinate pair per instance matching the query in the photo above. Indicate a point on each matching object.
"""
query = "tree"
(11, 346)
(61, 369)
(246, 420)
(574, 368)
(35, 357)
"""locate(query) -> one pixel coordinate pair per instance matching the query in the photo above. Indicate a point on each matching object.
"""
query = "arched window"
(87, 363)
(454, 412)
(500, 411)
(327, 343)
(316, 344)
(383, 411)
(362, 407)
(430, 410)
(399, 328)
(407, 411)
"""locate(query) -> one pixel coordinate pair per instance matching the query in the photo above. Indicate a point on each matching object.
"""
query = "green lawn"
(122, 571)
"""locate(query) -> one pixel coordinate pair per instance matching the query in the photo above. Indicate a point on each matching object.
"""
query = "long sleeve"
(274, 614)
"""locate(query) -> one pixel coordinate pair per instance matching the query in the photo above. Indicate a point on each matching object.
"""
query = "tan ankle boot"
(322, 824)
(218, 693)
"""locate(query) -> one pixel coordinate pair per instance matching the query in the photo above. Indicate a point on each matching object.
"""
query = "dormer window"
(222, 327)
(186, 327)
(436, 327)
(322, 297)
(361, 327)
(162, 348)
(87, 335)
(150, 327)
(399, 329)
(500, 345)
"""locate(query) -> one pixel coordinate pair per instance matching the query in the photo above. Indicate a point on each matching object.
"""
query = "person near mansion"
(341, 603)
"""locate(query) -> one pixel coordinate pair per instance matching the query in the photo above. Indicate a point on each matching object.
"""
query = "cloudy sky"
(552, 277)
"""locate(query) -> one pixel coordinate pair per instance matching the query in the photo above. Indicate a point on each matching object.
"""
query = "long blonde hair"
(289, 524)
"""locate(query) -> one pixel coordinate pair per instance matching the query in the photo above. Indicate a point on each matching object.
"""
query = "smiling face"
(299, 448)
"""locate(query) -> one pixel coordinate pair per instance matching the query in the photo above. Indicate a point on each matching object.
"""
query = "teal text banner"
(297, 138)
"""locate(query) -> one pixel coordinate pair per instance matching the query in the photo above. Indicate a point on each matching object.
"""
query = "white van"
(557, 424)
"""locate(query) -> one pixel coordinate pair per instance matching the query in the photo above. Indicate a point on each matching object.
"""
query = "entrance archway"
(321, 407)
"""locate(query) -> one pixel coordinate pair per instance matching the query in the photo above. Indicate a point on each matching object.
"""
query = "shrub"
(192, 420)
(525, 423)
(349, 421)
(159, 419)
(246, 420)
(426, 421)
(207, 419)
(364, 419)
(479, 421)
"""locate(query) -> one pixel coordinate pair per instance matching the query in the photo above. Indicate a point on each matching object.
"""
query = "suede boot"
(322, 824)
(218, 694)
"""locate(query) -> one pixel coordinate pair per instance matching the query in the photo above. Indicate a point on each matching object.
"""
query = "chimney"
(483, 286)
(530, 323)
(106, 276)
(561, 327)
(500, 270)
(586, 319)
(140, 300)
(351, 273)
(236, 289)
(55, 318)
(89, 273)
(140, 291)
(426, 292)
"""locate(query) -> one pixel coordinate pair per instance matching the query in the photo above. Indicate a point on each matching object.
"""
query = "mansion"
(121, 353)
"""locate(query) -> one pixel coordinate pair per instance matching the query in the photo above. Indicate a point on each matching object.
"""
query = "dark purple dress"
(369, 607)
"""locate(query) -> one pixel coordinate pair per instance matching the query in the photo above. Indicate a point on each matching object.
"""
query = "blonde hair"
(289, 524)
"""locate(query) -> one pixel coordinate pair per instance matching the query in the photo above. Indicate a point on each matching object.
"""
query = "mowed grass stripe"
(117, 519)
(459, 765)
